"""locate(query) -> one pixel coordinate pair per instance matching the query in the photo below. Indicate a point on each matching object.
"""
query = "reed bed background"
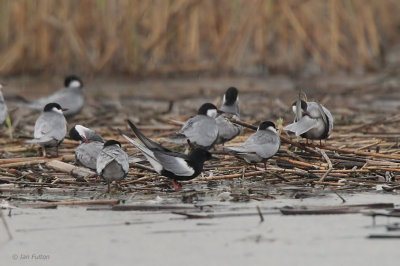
(165, 37)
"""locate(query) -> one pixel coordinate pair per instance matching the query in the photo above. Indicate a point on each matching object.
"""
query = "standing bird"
(50, 127)
(174, 165)
(91, 145)
(3, 107)
(70, 97)
(112, 162)
(202, 130)
(312, 121)
(230, 109)
(260, 146)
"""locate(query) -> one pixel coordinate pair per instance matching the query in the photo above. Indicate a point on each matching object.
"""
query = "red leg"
(265, 166)
(177, 187)
(108, 187)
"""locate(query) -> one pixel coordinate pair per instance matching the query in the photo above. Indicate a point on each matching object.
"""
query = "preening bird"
(90, 147)
(50, 127)
(312, 121)
(112, 163)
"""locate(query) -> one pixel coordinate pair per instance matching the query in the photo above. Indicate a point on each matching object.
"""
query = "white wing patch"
(189, 170)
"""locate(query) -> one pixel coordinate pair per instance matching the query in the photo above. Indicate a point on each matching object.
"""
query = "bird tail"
(178, 138)
(146, 141)
(38, 141)
(138, 145)
(234, 149)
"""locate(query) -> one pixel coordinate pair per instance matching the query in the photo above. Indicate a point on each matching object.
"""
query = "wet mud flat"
(229, 233)
(314, 200)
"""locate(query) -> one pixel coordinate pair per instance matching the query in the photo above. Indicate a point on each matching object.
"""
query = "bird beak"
(85, 139)
(65, 109)
(220, 111)
(306, 113)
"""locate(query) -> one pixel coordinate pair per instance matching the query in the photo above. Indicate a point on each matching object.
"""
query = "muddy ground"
(143, 227)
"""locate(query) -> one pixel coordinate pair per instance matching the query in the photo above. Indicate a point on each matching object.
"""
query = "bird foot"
(177, 187)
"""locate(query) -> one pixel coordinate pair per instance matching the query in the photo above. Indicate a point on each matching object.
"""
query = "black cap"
(266, 124)
(205, 107)
(70, 79)
(50, 107)
(231, 95)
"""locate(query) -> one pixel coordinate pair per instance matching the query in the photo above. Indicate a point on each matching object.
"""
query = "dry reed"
(185, 36)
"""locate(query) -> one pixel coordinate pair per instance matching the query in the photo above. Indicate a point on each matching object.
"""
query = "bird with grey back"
(229, 110)
(3, 107)
(70, 97)
(174, 165)
(90, 147)
(201, 130)
(312, 121)
(260, 146)
(50, 127)
(112, 163)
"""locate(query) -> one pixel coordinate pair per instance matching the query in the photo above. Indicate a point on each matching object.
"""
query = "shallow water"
(77, 236)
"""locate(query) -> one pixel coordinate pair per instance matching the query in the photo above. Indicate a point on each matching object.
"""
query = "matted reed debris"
(348, 162)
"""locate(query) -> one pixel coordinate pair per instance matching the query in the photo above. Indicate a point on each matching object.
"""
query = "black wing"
(146, 141)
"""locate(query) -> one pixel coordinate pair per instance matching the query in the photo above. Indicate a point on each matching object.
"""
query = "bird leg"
(118, 184)
(191, 145)
(177, 187)
(265, 165)
(108, 187)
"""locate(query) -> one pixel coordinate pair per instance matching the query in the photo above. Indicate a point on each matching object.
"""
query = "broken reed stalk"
(71, 169)
(145, 178)
(70, 203)
(260, 214)
(3, 219)
(37, 160)
(330, 167)
(328, 183)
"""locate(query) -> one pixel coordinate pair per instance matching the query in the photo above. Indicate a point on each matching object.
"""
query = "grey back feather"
(108, 155)
(71, 98)
(86, 153)
(264, 143)
(201, 130)
(50, 126)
